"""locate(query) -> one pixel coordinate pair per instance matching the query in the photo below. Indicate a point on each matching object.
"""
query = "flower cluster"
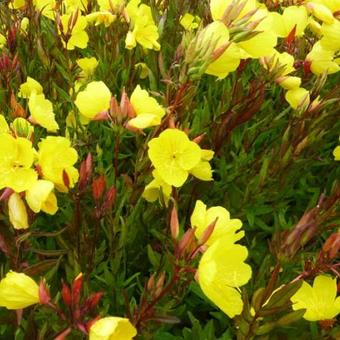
(221, 270)
(34, 174)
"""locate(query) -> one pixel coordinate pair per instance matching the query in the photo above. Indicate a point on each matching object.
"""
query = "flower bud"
(17, 212)
(98, 187)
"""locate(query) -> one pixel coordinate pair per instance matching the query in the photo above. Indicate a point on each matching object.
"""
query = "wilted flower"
(40, 197)
(156, 188)
(320, 301)
(41, 110)
(112, 328)
(17, 212)
(29, 87)
(203, 169)
(322, 60)
(17, 291)
(202, 217)
(190, 22)
(221, 272)
(298, 97)
(148, 111)
(87, 65)
(56, 158)
(103, 17)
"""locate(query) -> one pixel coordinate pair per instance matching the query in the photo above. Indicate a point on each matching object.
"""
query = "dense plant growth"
(168, 169)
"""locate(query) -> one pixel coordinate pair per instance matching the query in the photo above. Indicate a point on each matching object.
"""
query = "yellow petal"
(297, 97)
(29, 87)
(42, 113)
(94, 99)
(112, 328)
(17, 291)
(40, 196)
(336, 153)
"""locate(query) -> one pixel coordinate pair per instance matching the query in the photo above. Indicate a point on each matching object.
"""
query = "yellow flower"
(3, 125)
(202, 217)
(265, 40)
(2, 41)
(112, 328)
(336, 153)
(79, 37)
(56, 158)
(321, 12)
(156, 188)
(88, 66)
(29, 87)
(218, 8)
(221, 272)
(144, 31)
(333, 5)
(173, 155)
(24, 24)
(103, 17)
(41, 110)
(289, 83)
(320, 301)
(292, 17)
(297, 97)
(17, 212)
(46, 7)
(190, 22)
(73, 5)
(283, 62)
(40, 196)
(107, 5)
(148, 111)
(322, 60)
(16, 159)
(203, 169)
(217, 34)
(17, 291)
(93, 100)
(16, 4)
(331, 36)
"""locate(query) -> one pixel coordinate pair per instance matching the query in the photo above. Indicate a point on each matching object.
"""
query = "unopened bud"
(76, 288)
(66, 294)
(44, 294)
(174, 224)
(98, 187)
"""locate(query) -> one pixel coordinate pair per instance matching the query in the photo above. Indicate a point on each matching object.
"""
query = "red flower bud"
(66, 295)
(174, 224)
(98, 187)
(110, 197)
(92, 301)
(44, 294)
(76, 288)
